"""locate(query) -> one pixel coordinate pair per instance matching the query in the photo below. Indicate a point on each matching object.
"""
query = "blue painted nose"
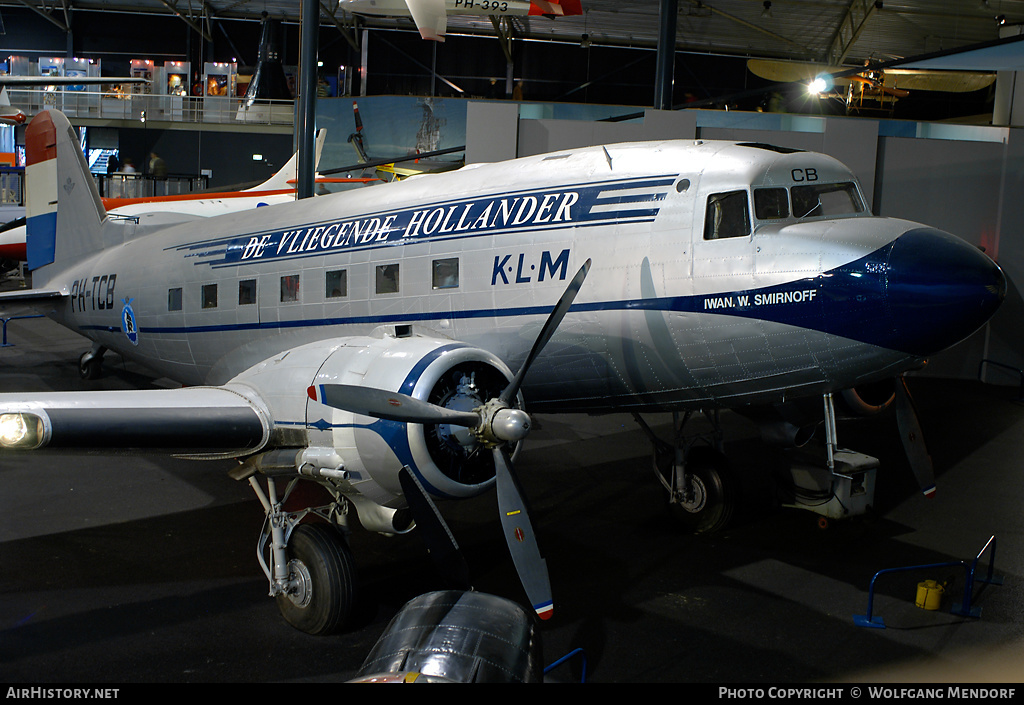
(939, 289)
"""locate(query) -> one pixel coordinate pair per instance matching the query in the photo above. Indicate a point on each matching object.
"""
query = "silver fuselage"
(666, 318)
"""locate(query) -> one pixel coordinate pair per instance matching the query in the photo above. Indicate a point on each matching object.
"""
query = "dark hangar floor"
(129, 570)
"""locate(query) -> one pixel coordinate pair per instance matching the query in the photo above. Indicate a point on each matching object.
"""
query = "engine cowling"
(444, 458)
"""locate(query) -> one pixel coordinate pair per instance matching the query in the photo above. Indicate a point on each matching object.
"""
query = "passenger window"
(771, 203)
(387, 279)
(289, 288)
(246, 292)
(209, 299)
(337, 284)
(728, 215)
(174, 299)
(445, 273)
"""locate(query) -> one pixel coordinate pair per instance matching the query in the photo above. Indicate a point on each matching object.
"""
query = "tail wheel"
(322, 580)
(710, 502)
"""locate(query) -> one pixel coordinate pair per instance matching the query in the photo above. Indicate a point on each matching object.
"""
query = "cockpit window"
(728, 215)
(826, 200)
(771, 203)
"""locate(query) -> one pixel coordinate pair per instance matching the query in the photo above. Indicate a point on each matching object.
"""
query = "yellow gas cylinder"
(929, 595)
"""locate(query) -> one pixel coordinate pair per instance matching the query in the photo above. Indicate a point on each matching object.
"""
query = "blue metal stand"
(5, 321)
(961, 608)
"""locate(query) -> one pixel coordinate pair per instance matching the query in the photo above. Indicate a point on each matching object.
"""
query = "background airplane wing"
(430, 17)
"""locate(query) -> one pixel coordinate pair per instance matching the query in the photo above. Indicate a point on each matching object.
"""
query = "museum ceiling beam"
(340, 25)
(187, 20)
(64, 28)
(749, 25)
(849, 30)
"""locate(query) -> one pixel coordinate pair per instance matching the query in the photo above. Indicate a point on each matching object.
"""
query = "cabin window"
(826, 200)
(771, 203)
(387, 279)
(246, 292)
(728, 215)
(444, 273)
(290, 288)
(337, 284)
(209, 299)
(174, 299)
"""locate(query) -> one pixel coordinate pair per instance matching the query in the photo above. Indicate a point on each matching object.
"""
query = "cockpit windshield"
(826, 200)
(808, 201)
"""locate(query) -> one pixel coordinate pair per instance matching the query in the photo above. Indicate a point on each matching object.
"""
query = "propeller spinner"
(495, 423)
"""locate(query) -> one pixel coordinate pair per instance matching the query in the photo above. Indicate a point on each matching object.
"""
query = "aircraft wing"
(187, 421)
(430, 17)
(22, 296)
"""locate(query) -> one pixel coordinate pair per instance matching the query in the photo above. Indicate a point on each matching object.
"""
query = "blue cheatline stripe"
(41, 239)
(879, 299)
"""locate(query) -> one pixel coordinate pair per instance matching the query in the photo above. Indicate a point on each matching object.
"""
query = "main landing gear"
(701, 489)
(309, 565)
(833, 482)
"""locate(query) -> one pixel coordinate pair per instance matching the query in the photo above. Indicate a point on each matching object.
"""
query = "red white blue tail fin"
(63, 211)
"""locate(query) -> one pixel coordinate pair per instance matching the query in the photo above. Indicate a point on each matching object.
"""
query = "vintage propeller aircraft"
(366, 341)
(869, 88)
(431, 16)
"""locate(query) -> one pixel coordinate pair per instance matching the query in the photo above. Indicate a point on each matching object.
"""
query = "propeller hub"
(500, 423)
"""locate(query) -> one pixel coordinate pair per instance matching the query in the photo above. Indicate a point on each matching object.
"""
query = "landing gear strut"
(701, 490)
(309, 565)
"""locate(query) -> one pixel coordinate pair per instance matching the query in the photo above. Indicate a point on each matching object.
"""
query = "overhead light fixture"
(1000, 19)
(767, 11)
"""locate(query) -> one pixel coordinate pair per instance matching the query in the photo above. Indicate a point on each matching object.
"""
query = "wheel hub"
(694, 500)
(300, 585)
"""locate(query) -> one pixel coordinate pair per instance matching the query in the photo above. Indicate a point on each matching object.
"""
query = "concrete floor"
(139, 570)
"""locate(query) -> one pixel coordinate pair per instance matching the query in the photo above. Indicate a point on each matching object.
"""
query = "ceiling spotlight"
(1000, 19)
(767, 11)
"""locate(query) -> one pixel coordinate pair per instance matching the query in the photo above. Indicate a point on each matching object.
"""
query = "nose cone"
(939, 289)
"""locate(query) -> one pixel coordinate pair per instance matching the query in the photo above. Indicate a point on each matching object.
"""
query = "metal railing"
(964, 608)
(145, 107)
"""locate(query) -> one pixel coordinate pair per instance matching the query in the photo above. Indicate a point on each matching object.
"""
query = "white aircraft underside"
(717, 275)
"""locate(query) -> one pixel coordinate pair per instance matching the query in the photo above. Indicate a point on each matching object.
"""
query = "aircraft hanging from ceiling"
(12, 115)
(868, 88)
(431, 16)
(366, 341)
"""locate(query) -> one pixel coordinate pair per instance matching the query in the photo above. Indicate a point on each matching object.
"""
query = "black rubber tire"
(90, 367)
(714, 492)
(324, 605)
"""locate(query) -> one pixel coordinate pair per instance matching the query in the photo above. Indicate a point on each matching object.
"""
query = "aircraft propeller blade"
(913, 438)
(550, 326)
(393, 406)
(441, 543)
(519, 535)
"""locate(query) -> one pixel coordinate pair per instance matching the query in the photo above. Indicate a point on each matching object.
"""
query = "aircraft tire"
(321, 561)
(713, 493)
(90, 366)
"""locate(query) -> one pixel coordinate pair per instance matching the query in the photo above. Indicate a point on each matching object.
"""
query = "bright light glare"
(12, 430)
(21, 431)
(817, 86)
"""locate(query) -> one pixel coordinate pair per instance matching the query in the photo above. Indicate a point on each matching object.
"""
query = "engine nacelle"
(363, 455)
(447, 460)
